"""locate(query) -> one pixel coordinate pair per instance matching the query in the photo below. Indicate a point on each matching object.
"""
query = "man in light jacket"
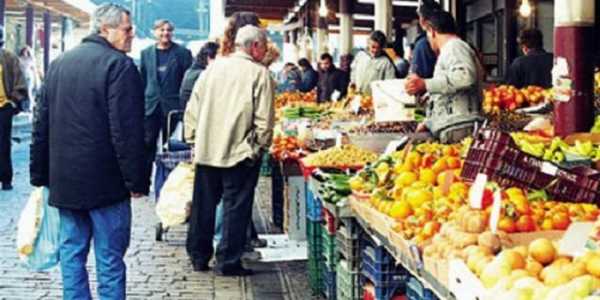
(230, 119)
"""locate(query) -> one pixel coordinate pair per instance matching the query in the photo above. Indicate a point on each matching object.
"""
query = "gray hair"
(109, 14)
(248, 35)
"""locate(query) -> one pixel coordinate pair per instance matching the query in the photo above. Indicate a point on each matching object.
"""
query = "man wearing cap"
(12, 90)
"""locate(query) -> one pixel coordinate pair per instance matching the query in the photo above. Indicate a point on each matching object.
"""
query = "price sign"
(476, 192)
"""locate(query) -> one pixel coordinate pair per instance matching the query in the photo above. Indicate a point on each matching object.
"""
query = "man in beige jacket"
(230, 119)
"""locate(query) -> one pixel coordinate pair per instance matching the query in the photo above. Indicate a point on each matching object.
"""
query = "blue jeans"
(218, 225)
(110, 228)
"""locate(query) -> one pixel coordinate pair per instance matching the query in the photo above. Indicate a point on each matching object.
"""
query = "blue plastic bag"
(45, 250)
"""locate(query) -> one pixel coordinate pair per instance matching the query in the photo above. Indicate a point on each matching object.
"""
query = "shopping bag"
(29, 222)
(175, 201)
(44, 254)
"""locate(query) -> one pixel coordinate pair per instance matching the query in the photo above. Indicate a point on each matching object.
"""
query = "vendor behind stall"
(535, 66)
(454, 105)
(372, 65)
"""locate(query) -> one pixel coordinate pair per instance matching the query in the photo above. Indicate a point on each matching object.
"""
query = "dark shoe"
(7, 186)
(251, 256)
(200, 267)
(241, 271)
(258, 243)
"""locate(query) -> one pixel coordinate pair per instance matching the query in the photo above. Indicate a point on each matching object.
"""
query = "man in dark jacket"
(424, 59)
(310, 77)
(162, 66)
(331, 79)
(13, 89)
(207, 54)
(535, 67)
(87, 146)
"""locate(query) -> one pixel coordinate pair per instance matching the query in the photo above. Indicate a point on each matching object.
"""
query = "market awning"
(78, 10)
(265, 9)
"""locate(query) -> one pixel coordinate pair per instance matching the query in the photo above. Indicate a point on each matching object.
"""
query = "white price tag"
(338, 140)
(476, 191)
(393, 145)
(549, 168)
(495, 216)
(575, 238)
(335, 96)
(355, 105)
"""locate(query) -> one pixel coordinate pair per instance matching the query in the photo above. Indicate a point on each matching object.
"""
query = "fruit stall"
(508, 213)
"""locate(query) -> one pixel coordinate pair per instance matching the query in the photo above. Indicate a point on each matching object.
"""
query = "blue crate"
(416, 291)
(329, 284)
(383, 277)
(314, 207)
(378, 257)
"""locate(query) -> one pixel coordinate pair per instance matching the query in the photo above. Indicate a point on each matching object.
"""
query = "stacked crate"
(348, 252)
(314, 237)
(330, 258)
(416, 291)
(379, 268)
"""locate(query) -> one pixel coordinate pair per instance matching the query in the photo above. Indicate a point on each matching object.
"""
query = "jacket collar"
(97, 39)
(243, 55)
(536, 52)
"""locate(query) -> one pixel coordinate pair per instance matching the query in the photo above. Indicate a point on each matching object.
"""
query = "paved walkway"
(156, 270)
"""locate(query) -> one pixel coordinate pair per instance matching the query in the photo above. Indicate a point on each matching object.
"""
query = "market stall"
(386, 217)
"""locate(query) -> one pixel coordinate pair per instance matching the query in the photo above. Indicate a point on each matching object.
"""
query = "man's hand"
(414, 85)
(136, 195)
(421, 127)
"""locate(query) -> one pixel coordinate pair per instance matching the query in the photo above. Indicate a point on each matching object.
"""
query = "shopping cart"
(174, 151)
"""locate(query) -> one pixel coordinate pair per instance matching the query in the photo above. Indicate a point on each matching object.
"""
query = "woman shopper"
(30, 72)
(205, 56)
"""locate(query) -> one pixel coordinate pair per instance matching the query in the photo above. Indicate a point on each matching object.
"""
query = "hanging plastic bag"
(29, 222)
(44, 254)
(173, 207)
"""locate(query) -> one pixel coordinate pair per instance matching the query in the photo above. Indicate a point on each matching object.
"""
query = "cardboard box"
(296, 208)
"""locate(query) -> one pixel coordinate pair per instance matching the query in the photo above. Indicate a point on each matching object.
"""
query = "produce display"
(342, 156)
(385, 127)
(287, 98)
(505, 97)
(536, 271)
(407, 186)
(556, 149)
(285, 147)
(423, 204)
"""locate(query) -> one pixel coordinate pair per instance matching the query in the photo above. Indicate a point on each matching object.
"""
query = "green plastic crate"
(348, 283)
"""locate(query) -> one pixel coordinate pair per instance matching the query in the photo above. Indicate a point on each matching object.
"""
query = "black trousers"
(6, 117)
(153, 125)
(235, 186)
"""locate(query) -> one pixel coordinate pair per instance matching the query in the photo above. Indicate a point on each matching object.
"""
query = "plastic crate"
(348, 249)
(377, 255)
(331, 222)
(350, 227)
(313, 229)
(315, 275)
(314, 207)
(348, 283)
(416, 291)
(329, 284)
(329, 251)
(388, 275)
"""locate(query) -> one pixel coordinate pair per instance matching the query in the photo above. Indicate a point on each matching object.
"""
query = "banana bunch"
(557, 149)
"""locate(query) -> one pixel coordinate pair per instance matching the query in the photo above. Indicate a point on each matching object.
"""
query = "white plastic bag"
(173, 207)
(44, 254)
(29, 222)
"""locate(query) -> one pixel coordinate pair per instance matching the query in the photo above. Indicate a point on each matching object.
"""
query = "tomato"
(507, 225)
(525, 224)
(488, 198)
(561, 221)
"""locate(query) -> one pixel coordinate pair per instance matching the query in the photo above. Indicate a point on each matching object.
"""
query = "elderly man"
(454, 107)
(87, 146)
(233, 114)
